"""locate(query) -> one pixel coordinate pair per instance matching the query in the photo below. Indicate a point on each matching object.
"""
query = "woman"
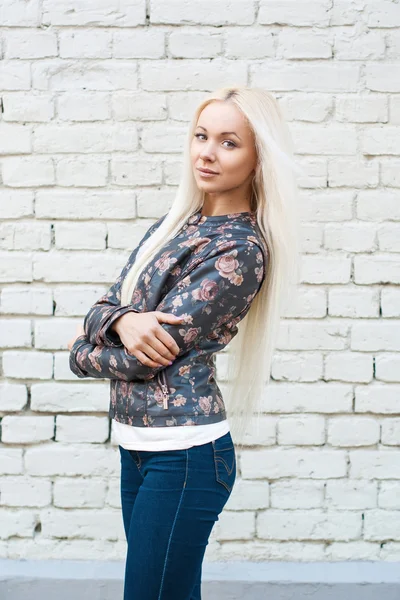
(225, 251)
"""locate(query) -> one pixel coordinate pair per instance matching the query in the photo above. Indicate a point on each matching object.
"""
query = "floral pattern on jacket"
(208, 274)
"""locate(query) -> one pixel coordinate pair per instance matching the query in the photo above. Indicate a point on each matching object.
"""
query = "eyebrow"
(223, 132)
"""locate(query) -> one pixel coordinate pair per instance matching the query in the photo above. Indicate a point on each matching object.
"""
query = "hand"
(144, 338)
(79, 331)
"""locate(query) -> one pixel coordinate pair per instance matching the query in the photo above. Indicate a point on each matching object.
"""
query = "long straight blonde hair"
(274, 200)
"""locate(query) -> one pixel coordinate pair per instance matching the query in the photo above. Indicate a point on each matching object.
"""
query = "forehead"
(223, 116)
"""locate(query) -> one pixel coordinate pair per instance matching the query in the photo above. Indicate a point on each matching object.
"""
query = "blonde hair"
(274, 200)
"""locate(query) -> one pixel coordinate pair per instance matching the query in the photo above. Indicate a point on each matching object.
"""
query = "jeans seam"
(173, 526)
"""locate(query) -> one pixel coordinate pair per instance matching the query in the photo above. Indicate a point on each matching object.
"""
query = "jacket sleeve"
(105, 311)
(212, 298)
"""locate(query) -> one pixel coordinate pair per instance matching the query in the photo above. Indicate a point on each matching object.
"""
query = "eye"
(199, 134)
(229, 142)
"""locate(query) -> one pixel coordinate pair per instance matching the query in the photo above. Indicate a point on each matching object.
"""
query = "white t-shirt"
(167, 438)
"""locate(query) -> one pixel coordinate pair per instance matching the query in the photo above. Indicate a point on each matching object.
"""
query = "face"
(223, 143)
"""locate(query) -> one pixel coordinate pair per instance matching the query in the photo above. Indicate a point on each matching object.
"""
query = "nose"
(207, 153)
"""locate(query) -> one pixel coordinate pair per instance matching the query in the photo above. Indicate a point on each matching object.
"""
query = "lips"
(207, 171)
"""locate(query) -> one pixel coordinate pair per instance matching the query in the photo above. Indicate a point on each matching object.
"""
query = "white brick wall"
(95, 102)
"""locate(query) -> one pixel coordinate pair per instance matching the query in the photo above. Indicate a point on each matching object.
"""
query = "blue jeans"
(170, 502)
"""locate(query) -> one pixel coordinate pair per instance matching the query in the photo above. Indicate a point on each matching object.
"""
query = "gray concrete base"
(95, 580)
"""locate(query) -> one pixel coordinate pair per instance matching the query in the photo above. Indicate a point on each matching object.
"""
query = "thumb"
(168, 318)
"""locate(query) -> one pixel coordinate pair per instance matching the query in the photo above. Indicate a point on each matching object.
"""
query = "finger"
(168, 317)
(157, 351)
(144, 359)
(168, 341)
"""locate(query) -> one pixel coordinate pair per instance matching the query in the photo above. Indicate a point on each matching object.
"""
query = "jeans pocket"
(225, 461)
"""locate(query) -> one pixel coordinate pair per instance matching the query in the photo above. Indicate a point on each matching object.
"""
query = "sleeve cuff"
(111, 338)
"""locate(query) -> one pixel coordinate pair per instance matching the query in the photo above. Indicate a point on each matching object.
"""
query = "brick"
(104, 13)
(10, 461)
(26, 430)
(62, 371)
(306, 107)
(27, 365)
(16, 267)
(350, 237)
(327, 139)
(354, 302)
(54, 333)
(378, 398)
(245, 43)
(15, 333)
(395, 109)
(291, 12)
(236, 526)
(378, 206)
(389, 494)
(80, 523)
(162, 137)
(27, 235)
(371, 108)
(26, 300)
(391, 432)
(354, 45)
(141, 106)
(264, 551)
(14, 139)
(274, 463)
(381, 140)
(79, 492)
(325, 269)
(302, 430)
(13, 397)
(311, 237)
(82, 429)
(389, 237)
(297, 366)
(181, 105)
(324, 398)
(385, 14)
(80, 236)
(15, 75)
(146, 43)
(351, 494)
(135, 172)
(169, 75)
(20, 13)
(70, 397)
(376, 335)
(353, 431)
(309, 524)
(346, 12)
(248, 495)
(282, 76)
(26, 107)
(77, 267)
(381, 524)
(127, 235)
(17, 523)
(261, 431)
(25, 491)
(304, 44)
(153, 203)
(379, 78)
(206, 12)
(353, 174)
(315, 172)
(30, 44)
(348, 366)
(82, 171)
(63, 75)
(66, 460)
(28, 172)
(332, 205)
(390, 302)
(85, 138)
(85, 43)
(377, 269)
(390, 172)
(312, 335)
(14, 205)
(297, 494)
(74, 301)
(387, 368)
(89, 106)
(61, 204)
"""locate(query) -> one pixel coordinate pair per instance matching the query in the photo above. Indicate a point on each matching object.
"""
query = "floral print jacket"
(209, 273)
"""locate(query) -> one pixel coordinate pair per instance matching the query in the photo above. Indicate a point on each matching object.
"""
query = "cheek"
(236, 164)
